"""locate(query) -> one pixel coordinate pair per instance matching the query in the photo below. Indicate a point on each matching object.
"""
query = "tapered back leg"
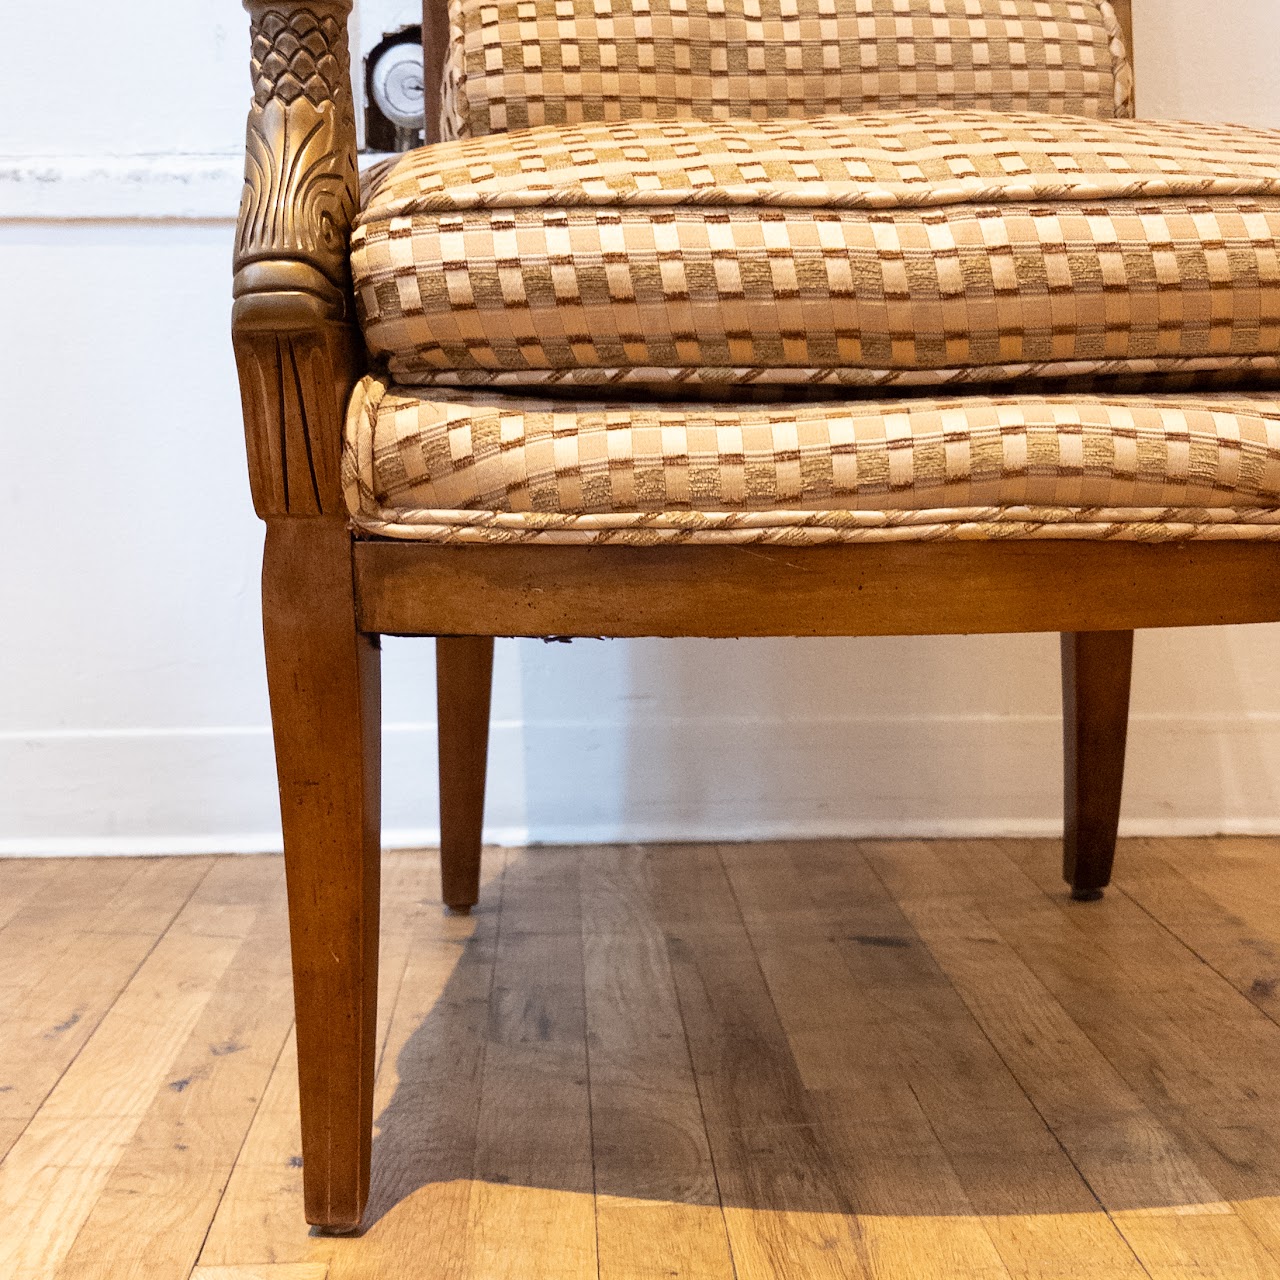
(464, 680)
(324, 682)
(1096, 669)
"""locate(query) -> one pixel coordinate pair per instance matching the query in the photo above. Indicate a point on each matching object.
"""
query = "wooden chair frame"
(329, 595)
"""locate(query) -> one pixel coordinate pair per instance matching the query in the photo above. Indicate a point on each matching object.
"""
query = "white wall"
(1208, 60)
(132, 701)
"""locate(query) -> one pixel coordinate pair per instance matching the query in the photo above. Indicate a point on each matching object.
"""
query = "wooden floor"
(904, 1060)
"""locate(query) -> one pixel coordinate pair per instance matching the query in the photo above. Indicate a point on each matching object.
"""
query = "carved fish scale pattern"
(299, 54)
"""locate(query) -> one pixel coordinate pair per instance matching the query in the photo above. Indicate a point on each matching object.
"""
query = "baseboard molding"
(212, 790)
(403, 840)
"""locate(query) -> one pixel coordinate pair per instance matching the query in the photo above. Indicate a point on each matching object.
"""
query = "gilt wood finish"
(297, 346)
(1096, 669)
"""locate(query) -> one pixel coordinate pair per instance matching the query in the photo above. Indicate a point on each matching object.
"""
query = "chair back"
(495, 65)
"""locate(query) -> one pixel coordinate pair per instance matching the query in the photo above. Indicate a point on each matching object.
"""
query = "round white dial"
(397, 84)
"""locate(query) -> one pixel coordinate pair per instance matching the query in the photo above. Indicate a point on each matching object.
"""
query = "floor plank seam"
(1007, 1065)
(586, 1038)
(1253, 1004)
(124, 986)
(702, 1109)
(855, 1222)
(248, 1130)
(829, 1059)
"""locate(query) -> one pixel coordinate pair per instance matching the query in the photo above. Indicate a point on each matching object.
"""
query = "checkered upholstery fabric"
(514, 64)
(477, 466)
(918, 248)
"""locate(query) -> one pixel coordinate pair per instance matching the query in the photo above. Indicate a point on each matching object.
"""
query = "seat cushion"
(478, 466)
(921, 248)
(514, 64)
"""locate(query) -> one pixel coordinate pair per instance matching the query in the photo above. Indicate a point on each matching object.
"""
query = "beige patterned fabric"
(514, 64)
(913, 249)
(473, 466)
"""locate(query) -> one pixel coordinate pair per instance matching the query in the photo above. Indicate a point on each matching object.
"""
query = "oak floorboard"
(55, 1172)
(48, 1024)
(259, 1220)
(265, 1271)
(532, 1201)
(1242, 946)
(785, 1203)
(1001, 957)
(890, 1060)
(1217, 1091)
(72, 975)
(26, 878)
(10, 1128)
(930, 1122)
(658, 1212)
(111, 896)
(427, 1096)
(174, 1170)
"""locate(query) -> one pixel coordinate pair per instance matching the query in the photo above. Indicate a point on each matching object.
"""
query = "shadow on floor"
(800, 1034)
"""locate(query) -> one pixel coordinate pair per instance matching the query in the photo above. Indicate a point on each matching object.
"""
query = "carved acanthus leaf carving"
(296, 345)
(301, 187)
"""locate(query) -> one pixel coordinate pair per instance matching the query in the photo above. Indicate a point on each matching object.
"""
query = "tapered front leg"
(1096, 667)
(464, 680)
(324, 683)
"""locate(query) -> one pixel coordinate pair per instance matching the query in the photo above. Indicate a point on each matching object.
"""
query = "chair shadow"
(520, 1029)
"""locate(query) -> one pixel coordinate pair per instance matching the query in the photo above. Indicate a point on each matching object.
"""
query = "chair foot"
(337, 1232)
(464, 678)
(1087, 895)
(459, 909)
(1096, 667)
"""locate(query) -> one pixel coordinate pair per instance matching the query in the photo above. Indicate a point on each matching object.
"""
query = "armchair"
(803, 424)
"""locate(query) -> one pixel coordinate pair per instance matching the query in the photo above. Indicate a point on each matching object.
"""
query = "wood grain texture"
(196, 1120)
(837, 951)
(265, 1271)
(323, 677)
(891, 1059)
(464, 681)
(297, 349)
(56, 1172)
(1096, 671)
(435, 49)
(1124, 11)
(893, 589)
(59, 982)
(293, 387)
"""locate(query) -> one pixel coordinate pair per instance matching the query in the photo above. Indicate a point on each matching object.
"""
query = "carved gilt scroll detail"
(301, 188)
(297, 349)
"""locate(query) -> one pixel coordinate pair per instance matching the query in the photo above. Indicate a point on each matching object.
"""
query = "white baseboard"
(213, 790)
(266, 842)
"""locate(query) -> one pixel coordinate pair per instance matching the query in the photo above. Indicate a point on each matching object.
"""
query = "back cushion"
(513, 64)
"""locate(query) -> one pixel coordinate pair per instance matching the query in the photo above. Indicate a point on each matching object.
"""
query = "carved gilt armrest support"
(297, 348)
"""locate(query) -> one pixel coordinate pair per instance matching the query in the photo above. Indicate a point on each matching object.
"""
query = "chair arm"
(297, 347)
